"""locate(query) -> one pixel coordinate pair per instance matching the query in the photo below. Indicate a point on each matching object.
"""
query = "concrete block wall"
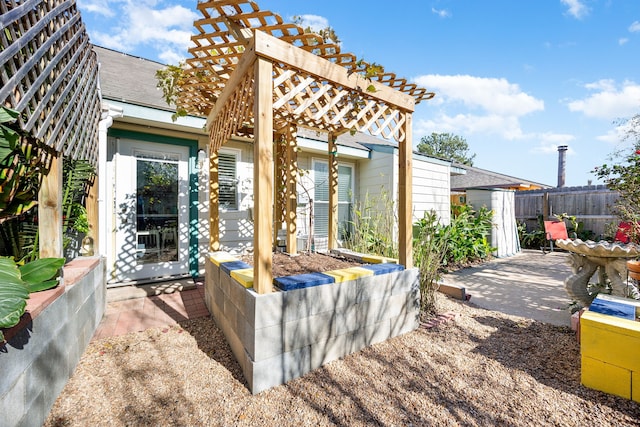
(610, 354)
(283, 335)
(38, 360)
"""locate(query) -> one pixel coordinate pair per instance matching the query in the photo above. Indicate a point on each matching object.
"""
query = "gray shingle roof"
(129, 79)
(481, 178)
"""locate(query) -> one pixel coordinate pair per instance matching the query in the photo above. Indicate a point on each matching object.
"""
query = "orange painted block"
(610, 339)
(347, 274)
(635, 386)
(605, 377)
(219, 257)
(244, 276)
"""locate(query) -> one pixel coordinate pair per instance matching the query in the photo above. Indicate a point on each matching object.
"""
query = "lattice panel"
(236, 114)
(303, 99)
(49, 72)
(222, 35)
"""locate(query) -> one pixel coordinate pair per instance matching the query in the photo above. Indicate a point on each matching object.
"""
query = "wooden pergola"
(254, 75)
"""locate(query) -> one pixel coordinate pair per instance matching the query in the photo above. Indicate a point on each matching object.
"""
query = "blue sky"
(515, 78)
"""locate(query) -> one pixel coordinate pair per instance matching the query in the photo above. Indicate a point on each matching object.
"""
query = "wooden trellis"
(254, 75)
(49, 73)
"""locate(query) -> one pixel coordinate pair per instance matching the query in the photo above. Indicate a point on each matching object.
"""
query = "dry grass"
(481, 368)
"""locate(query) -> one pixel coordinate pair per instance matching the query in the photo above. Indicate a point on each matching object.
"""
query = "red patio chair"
(622, 235)
(554, 230)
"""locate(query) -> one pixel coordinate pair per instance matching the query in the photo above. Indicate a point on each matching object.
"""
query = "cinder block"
(263, 310)
(404, 323)
(377, 259)
(219, 257)
(301, 281)
(225, 283)
(229, 266)
(244, 277)
(279, 369)
(266, 343)
(635, 385)
(334, 348)
(303, 332)
(301, 303)
(605, 377)
(610, 339)
(384, 268)
(12, 403)
(347, 274)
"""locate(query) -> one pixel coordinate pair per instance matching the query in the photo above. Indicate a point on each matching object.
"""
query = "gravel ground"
(478, 368)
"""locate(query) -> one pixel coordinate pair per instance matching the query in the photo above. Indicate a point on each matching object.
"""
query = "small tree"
(623, 176)
(446, 146)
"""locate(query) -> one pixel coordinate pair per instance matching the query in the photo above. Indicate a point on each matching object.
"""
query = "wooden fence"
(592, 205)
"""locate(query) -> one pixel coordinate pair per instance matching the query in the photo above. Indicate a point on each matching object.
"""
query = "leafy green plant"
(533, 239)
(429, 251)
(468, 233)
(373, 225)
(22, 165)
(16, 282)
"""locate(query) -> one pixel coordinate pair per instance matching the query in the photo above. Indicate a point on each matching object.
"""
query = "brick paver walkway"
(135, 315)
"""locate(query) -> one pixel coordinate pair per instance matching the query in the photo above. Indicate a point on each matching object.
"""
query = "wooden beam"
(280, 51)
(405, 202)
(292, 193)
(263, 177)
(214, 203)
(279, 207)
(93, 215)
(50, 211)
(246, 61)
(333, 192)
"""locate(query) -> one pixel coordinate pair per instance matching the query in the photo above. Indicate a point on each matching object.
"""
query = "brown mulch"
(287, 265)
(470, 367)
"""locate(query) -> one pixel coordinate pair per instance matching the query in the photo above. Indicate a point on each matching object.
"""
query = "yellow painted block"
(376, 259)
(605, 377)
(347, 274)
(219, 257)
(610, 339)
(244, 276)
(635, 386)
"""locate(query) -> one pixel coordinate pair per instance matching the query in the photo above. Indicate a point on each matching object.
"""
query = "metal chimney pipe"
(562, 164)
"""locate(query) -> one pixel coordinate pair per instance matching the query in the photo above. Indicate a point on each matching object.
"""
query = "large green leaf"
(9, 271)
(8, 115)
(41, 270)
(41, 286)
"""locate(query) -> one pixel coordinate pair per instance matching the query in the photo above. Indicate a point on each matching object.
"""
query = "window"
(321, 198)
(227, 178)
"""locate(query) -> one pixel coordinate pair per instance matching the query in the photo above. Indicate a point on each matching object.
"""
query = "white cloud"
(475, 105)
(635, 27)
(577, 9)
(623, 41)
(494, 96)
(100, 7)
(549, 142)
(442, 13)
(167, 29)
(610, 101)
(315, 22)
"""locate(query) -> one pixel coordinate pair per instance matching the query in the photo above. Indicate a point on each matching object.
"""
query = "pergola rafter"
(255, 76)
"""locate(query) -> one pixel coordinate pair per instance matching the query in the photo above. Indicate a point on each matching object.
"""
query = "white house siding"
(431, 188)
(431, 181)
(504, 235)
(236, 225)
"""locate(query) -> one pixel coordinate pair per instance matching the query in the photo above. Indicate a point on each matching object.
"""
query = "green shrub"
(372, 229)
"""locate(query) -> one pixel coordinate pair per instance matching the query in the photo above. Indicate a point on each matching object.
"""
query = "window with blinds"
(227, 178)
(321, 198)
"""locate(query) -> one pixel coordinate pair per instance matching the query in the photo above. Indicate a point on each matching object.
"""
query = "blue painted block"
(384, 268)
(300, 281)
(613, 308)
(233, 265)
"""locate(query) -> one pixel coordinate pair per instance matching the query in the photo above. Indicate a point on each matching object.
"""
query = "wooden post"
(292, 193)
(280, 179)
(50, 211)
(214, 203)
(263, 176)
(93, 215)
(405, 202)
(333, 192)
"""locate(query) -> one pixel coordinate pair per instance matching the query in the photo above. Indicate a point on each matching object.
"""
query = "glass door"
(152, 225)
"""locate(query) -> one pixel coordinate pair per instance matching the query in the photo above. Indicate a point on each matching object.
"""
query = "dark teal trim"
(193, 183)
